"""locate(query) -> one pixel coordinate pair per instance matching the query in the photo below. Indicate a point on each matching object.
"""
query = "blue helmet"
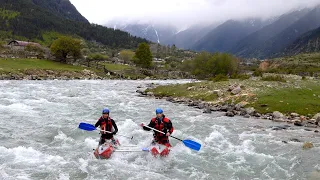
(159, 111)
(105, 111)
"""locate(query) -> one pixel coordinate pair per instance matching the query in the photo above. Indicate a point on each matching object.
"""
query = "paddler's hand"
(167, 134)
(142, 125)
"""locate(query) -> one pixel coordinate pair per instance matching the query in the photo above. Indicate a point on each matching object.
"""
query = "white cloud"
(182, 12)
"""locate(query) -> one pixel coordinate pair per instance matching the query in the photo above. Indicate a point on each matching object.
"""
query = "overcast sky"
(184, 12)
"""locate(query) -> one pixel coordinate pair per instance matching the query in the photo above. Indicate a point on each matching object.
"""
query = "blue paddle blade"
(192, 144)
(87, 127)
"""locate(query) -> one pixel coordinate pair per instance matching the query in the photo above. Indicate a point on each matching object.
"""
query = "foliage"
(97, 57)
(7, 15)
(143, 56)
(257, 73)
(219, 77)
(126, 55)
(66, 46)
(273, 78)
(240, 76)
(206, 65)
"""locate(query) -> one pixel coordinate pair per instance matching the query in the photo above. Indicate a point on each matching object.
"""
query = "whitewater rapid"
(40, 139)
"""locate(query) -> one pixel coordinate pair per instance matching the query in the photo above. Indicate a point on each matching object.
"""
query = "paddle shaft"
(161, 132)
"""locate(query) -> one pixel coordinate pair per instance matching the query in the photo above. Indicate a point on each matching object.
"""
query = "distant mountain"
(153, 32)
(251, 45)
(307, 23)
(307, 43)
(187, 38)
(225, 36)
(31, 18)
(63, 8)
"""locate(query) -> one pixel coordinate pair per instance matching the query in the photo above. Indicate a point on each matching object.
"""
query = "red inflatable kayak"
(105, 150)
(159, 150)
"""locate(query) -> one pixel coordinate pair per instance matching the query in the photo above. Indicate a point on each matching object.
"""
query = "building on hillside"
(21, 44)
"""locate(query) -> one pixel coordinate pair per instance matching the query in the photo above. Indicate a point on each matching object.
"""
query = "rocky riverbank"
(51, 75)
(310, 123)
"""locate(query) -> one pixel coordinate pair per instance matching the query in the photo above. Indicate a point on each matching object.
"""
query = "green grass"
(116, 67)
(289, 100)
(18, 65)
(300, 96)
(181, 90)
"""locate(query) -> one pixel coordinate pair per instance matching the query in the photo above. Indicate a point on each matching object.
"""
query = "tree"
(36, 50)
(66, 46)
(126, 55)
(143, 56)
(206, 65)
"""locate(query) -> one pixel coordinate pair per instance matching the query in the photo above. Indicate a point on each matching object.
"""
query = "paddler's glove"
(142, 125)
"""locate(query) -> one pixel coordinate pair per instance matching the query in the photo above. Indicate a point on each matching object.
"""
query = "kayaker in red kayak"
(161, 123)
(106, 124)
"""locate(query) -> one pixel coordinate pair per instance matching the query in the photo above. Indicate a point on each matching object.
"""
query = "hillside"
(31, 19)
(223, 38)
(251, 45)
(308, 42)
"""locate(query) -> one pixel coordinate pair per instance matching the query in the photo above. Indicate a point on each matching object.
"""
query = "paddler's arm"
(151, 124)
(168, 128)
(97, 123)
(115, 127)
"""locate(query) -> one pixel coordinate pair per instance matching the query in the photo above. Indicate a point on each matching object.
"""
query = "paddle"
(187, 142)
(128, 150)
(90, 127)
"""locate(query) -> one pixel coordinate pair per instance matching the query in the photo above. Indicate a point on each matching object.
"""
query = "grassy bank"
(19, 65)
(294, 95)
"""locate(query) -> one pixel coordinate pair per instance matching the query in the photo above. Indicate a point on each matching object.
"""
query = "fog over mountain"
(184, 13)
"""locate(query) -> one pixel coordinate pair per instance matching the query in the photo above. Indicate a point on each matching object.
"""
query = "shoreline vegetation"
(294, 101)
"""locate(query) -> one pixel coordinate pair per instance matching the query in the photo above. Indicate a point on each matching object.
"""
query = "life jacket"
(106, 125)
(160, 126)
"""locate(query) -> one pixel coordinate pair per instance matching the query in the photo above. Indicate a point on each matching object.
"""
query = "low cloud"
(185, 12)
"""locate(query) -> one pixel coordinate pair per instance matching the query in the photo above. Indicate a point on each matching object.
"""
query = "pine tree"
(143, 56)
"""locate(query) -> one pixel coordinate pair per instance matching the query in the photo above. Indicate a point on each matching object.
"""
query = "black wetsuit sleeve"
(98, 123)
(114, 126)
(151, 124)
(169, 127)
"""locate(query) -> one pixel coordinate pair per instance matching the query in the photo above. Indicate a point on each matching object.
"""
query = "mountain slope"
(33, 20)
(187, 38)
(307, 43)
(154, 32)
(61, 7)
(225, 36)
(248, 46)
(307, 23)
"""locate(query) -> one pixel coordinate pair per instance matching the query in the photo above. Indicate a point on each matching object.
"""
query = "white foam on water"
(63, 137)
(64, 176)
(29, 156)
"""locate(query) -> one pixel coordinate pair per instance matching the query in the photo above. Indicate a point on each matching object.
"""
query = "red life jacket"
(160, 126)
(107, 126)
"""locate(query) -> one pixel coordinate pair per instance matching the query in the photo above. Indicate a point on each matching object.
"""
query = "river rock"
(277, 115)
(207, 110)
(307, 145)
(236, 90)
(240, 105)
(250, 110)
(219, 93)
(229, 114)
